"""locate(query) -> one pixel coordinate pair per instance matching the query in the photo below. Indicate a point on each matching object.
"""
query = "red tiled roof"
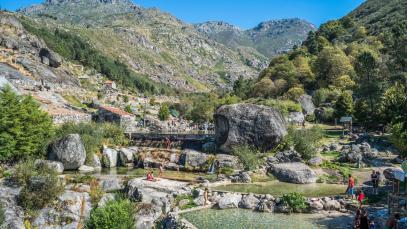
(115, 110)
(108, 82)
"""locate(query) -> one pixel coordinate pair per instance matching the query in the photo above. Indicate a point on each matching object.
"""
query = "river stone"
(248, 124)
(86, 169)
(70, 210)
(111, 185)
(316, 206)
(249, 202)
(55, 165)
(194, 160)
(109, 158)
(298, 173)
(331, 205)
(125, 157)
(307, 105)
(229, 200)
(69, 150)
(96, 162)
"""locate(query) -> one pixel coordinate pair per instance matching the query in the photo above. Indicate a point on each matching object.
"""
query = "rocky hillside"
(268, 38)
(150, 42)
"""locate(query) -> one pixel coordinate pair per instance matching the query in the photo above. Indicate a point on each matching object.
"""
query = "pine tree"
(24, 129)
(344, 105)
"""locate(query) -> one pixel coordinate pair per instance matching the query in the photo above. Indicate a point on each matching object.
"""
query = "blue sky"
(243, 13)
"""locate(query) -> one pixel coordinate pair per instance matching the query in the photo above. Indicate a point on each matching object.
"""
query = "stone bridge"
(191, 140)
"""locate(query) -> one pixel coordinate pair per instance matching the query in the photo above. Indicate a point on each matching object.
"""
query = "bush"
(249, 156)
(227, 171)
(24, 128)
(284, 106)
(304, 140)
(95, 135)
(40, 185)
(295, 201)
(115, 214)
(164, 112)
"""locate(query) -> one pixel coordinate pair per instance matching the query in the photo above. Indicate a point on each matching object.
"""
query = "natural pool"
(278, 188)
(247, 219)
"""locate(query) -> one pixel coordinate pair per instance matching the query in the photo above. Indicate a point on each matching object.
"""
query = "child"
(351, 186)
(361, 197)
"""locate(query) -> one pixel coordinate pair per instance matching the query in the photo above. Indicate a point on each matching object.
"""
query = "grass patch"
(190, 203)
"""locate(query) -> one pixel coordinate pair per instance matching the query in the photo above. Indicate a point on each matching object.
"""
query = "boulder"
(13, 214)
(285, 157)
(111, 185)
(226, 160)
(106, 198)
(86, 169)
(307, 105)
(249, 202)
(50, 57)
(390, 173)
(296, 118)
(69, 150)
(315, 206)
(229, 200)
(125, 157)
(109, 158)
(331, 205)
(315, 161)
(248, 124)
(298, 173)
(265, 206)
(194, 160)
(241, 177)
(200, 201)
(71, 209)
(174, 221)
(96, 162)
(55, 165)
(147, 215)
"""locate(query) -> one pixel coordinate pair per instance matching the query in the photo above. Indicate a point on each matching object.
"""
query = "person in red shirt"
(351, 187)
(361, 197)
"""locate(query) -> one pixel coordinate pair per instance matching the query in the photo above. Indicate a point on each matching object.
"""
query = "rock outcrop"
(69, 150)
(248, 124)
(109, 158)
(50, 58)
(13, 214)
(307, 105)
(298, 173)
(229, 200)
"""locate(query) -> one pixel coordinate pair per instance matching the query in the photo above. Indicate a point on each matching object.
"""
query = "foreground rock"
(248, 124)
(55, 165)
(13, 214)
(71, 210)
(229, 200)
(109, 158)
(69, 150)
(298, 173)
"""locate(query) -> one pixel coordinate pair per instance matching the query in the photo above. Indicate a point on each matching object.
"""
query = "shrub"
(24, 128)
(295, 201)
(284, 106)
(227, 171)
(40, 185)
(190, 199)
(95, 135)
(164, 112)
(304, 140)
(96, 192)
(249, 156)
(115, 214)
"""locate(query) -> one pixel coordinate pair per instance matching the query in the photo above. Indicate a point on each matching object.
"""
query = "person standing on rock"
(351, 186)
(206, 196)
(375, 181)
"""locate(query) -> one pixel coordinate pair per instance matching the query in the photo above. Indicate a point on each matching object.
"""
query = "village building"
(110, 85)
(116, 115)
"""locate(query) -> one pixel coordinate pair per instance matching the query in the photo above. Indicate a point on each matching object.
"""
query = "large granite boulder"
(109, 158)
(55, 165)
(230, 161)
(194, 160)
(13, 214)
(248, 124)
(298, 173)
(126, 157)
(229, 200)
(70, 210)
(69, 150)
(50, 58)
(307, 105)
(249, 202)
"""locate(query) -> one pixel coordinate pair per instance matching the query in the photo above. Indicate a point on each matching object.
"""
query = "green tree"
(369, 88)
(361, 112)
(164, 112)
(344, 105)
(25, 129)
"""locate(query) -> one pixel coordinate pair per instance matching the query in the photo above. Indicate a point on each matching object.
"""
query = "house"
(116, 115)
(110, 85)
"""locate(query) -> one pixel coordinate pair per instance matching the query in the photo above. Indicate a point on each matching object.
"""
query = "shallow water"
(278, 188)
(247, 219)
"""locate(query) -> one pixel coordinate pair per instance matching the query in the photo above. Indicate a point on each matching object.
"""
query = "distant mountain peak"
(56, 2)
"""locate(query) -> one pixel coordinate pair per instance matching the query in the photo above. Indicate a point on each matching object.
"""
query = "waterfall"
(212, 168)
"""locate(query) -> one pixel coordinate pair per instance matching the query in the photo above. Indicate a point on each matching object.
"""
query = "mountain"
(152, 43)
(158, 46)
(268, 38)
